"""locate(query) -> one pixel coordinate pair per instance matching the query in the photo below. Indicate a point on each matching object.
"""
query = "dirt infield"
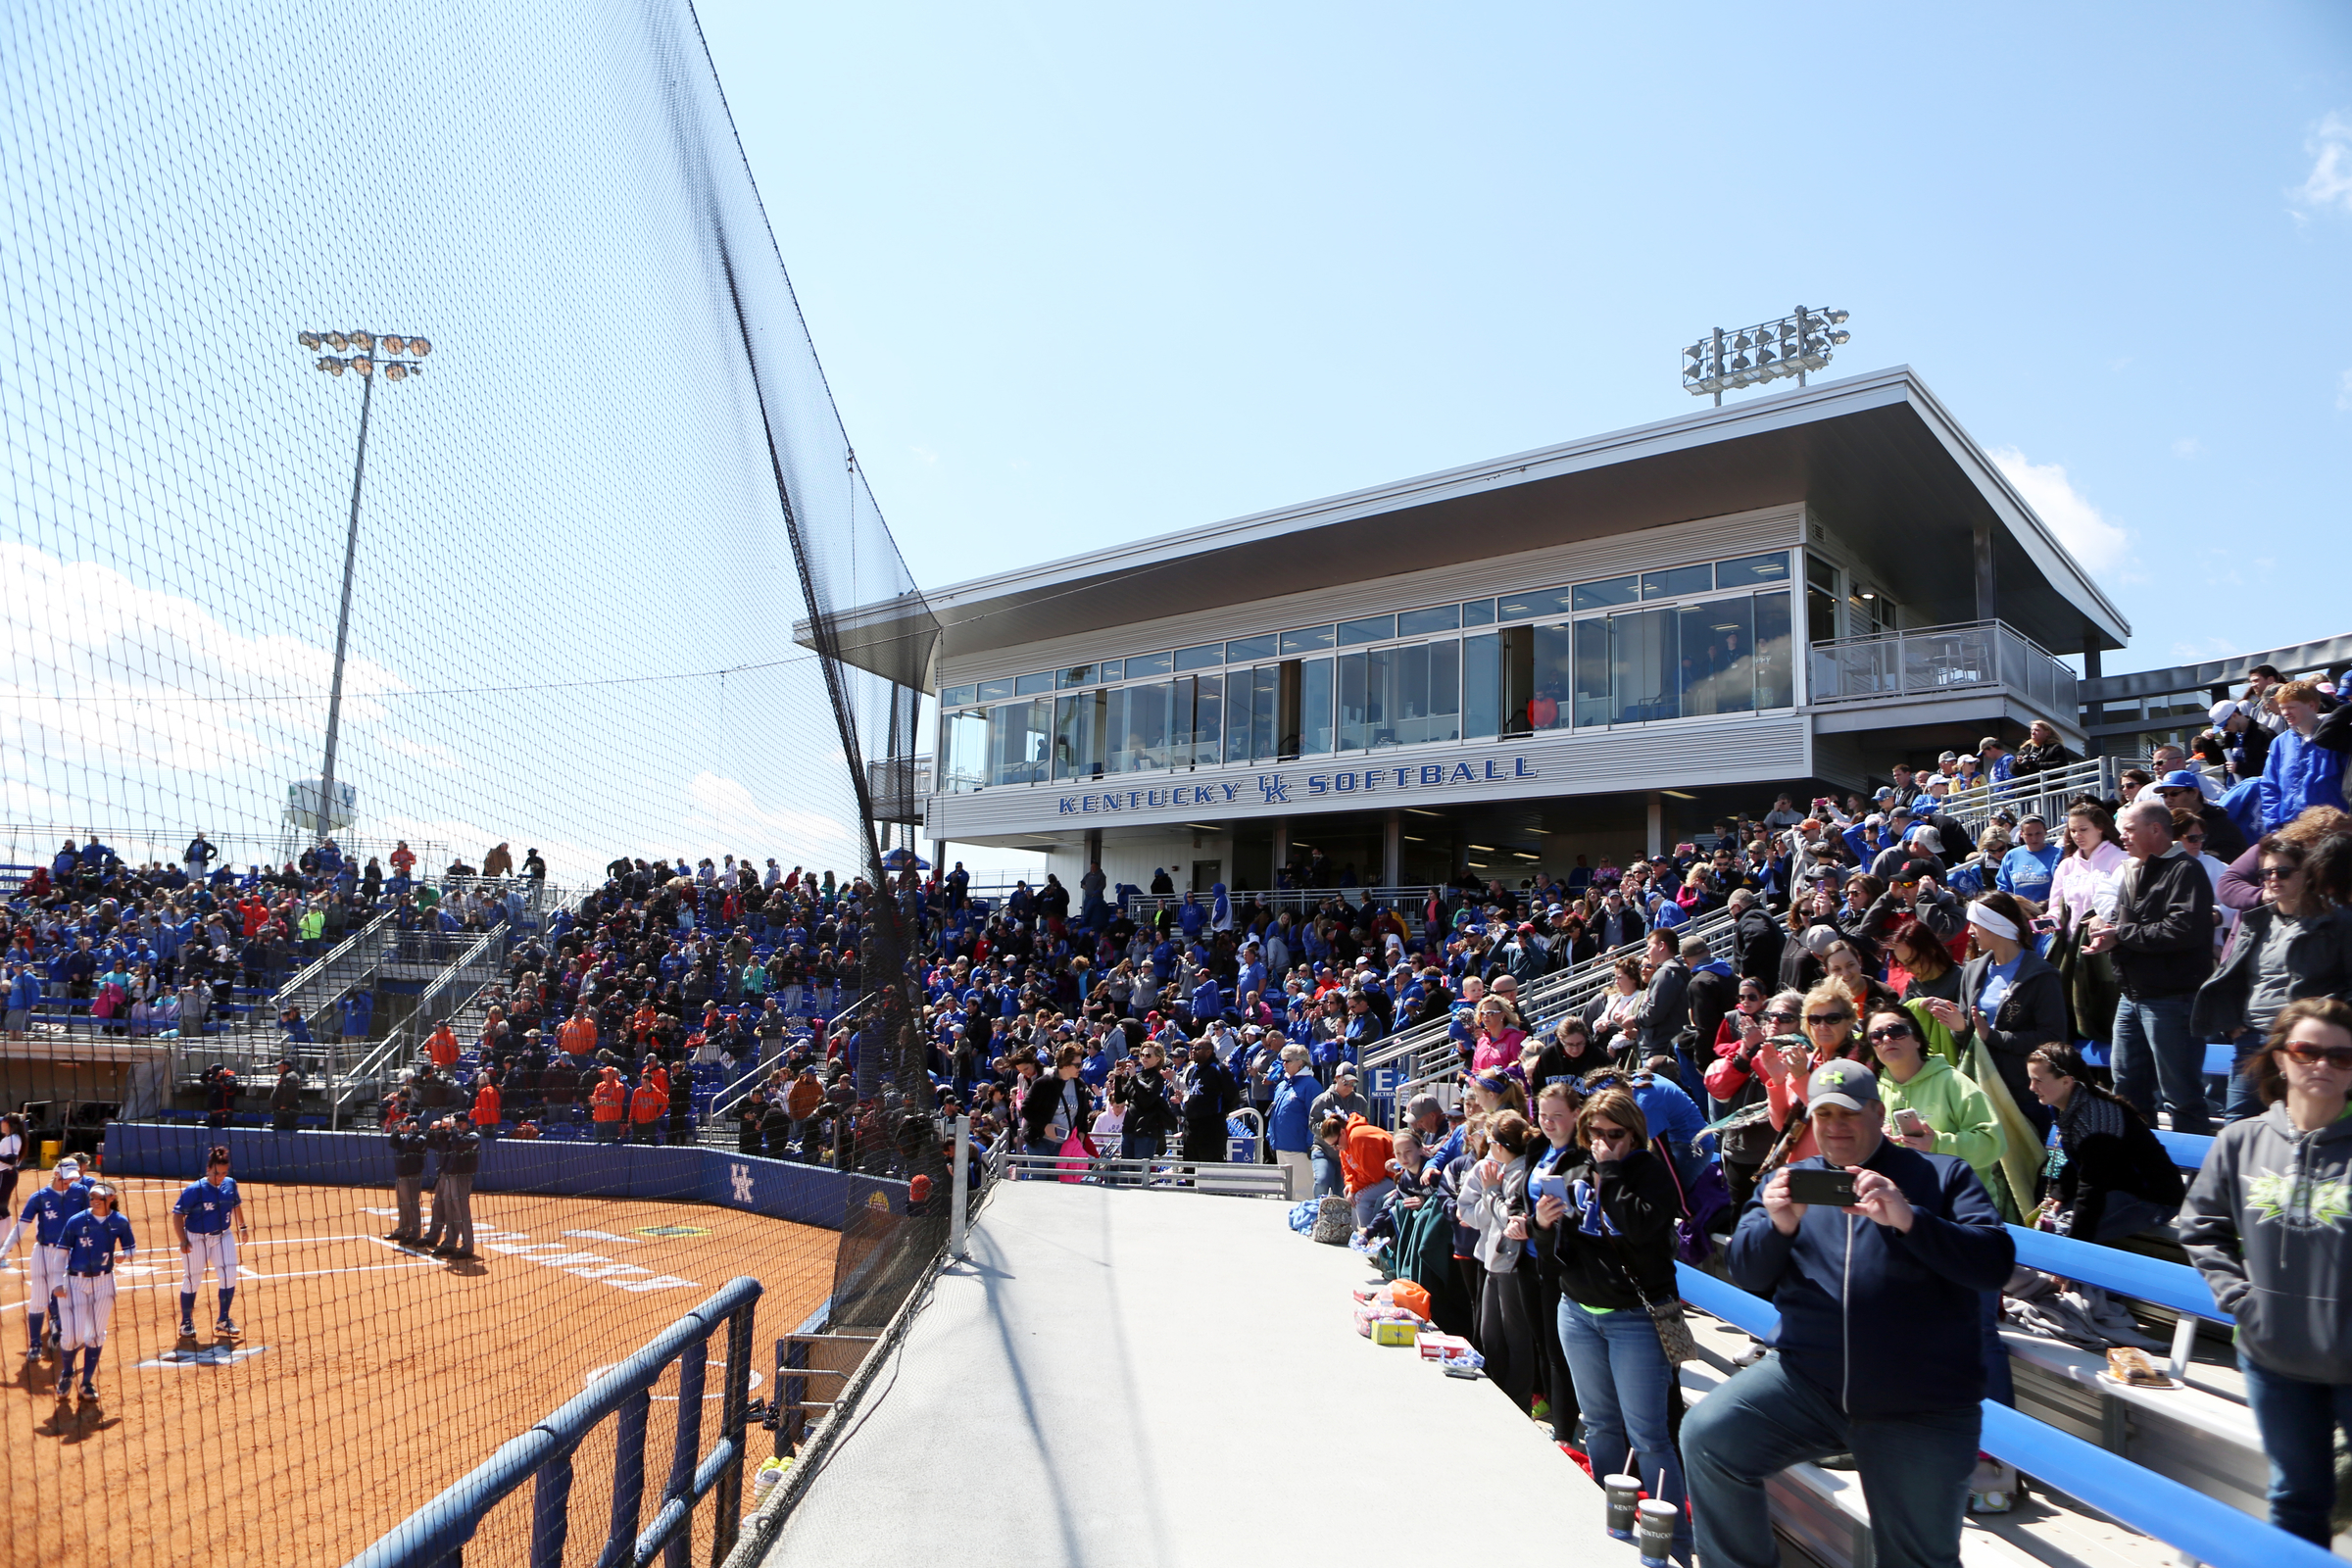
(366, 1379)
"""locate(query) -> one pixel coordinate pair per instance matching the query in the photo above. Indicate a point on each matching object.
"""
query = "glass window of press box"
(1685, 642)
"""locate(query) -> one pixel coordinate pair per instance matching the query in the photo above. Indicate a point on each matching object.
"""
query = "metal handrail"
(435, 1534)
(2046, 793)
(723, 1102)
(296, 982)
(1548, 998)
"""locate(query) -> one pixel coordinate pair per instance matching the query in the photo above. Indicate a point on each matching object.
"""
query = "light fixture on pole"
(399, 355)
(1724, 362)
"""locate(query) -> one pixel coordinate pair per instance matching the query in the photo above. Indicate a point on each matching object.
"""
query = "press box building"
(1594, 648)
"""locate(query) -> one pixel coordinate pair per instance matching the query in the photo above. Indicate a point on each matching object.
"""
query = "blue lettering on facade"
(1274, 789)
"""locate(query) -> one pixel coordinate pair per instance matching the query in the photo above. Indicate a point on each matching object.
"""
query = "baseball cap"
(2180, 779)
(1875, 820)
(1421, 1105)
(1949, 756)
(2221, 711)
(1527, 928)
(69, 1165)
(1991, 742)
(1345, 1069)
(1848, 1084)
(1886, 793)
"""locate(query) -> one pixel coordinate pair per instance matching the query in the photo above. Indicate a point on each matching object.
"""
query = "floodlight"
(396, 371)
(1790, 346)
(420, 347)
(308, 340)
(393, 345)
(363, 341)
(338, 341)
(333, 364)
(365, 367)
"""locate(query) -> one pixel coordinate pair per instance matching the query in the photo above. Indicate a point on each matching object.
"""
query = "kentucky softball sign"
(1288, 788)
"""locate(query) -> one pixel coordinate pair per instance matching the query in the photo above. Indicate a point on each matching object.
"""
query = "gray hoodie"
(2268, 1224)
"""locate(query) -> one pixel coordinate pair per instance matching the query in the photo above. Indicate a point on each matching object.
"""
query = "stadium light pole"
(1801, 341)
(401, 359)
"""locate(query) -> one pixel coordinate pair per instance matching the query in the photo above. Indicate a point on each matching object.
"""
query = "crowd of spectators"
(1968, 1011)
(177, 947)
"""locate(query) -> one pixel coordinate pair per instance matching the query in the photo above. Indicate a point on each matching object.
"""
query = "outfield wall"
(806, 1194)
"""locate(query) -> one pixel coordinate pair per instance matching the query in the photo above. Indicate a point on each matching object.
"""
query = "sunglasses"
(1892, 1031)
(1817, 1020)
(1603, 1133)
(1779, 1013)
(2338, 1057)
(2280, 873)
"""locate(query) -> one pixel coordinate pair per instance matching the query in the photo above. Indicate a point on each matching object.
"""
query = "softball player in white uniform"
(200, 1218)
(88, 1299)
(47, 1211)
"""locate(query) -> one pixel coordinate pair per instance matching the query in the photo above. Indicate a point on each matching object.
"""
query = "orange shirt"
(605, 1100)
(441, 1046)
(485, 1106)
(578, 1037)
(1365, 1155)
(648, 1104)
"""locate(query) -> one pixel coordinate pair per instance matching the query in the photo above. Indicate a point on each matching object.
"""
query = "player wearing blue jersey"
(47, 1211)
(93, 1238)
(201, 1219)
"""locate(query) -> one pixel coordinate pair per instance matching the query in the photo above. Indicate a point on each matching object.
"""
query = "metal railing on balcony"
(1975, 656)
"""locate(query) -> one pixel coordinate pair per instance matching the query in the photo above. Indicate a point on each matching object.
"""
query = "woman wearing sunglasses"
(1608, 1237)
(1743, 1130)
(2296, 944)
(1830, 1033)
(1935, 1108)
(2268, 1224)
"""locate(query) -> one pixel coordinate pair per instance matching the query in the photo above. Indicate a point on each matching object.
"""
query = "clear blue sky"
(1085, 273)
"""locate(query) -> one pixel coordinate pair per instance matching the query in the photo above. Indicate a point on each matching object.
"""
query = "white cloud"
(2343, 392)
(2188, 446)
(2330, 181)
(2098, 544)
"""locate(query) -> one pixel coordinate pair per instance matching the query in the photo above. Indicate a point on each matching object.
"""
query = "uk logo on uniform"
(741, 1176)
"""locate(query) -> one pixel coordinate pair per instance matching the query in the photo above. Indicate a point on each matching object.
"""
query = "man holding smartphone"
(1877, 1257)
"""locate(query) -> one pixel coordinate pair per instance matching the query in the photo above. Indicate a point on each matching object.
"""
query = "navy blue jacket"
(1885, 1322)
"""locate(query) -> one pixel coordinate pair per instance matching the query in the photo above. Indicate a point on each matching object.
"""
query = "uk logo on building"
(741, 1176)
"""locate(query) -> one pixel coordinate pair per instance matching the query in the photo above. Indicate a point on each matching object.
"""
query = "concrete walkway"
(1166, 1380)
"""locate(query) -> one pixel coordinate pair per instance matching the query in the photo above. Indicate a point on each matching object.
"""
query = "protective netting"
(557, 472)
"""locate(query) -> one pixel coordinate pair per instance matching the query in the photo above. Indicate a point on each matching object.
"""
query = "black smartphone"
(1830, 1189)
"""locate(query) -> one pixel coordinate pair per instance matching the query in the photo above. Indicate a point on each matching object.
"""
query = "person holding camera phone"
(1605, 1223)
(1876, 1257)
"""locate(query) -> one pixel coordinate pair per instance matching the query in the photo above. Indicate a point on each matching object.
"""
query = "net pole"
(959, 1184)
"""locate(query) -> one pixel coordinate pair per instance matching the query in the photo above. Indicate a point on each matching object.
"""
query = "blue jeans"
(1620, 1381)
(1327, 1174)
(2153, 1050)
(2299, 1421)
(2242, 1102)
(1914, 1469)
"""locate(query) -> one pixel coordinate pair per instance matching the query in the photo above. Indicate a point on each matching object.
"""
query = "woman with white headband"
(2011, 1000)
